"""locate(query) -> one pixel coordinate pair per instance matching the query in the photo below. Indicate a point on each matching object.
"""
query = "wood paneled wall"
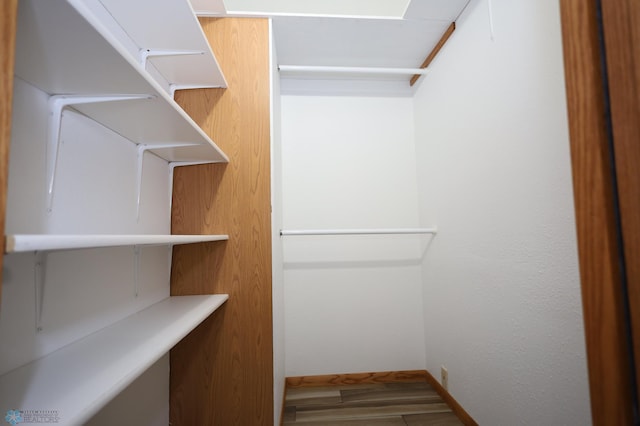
(8, 22)
(222, 373)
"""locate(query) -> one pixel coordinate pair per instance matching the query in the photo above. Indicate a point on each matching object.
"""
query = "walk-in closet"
(224, 212)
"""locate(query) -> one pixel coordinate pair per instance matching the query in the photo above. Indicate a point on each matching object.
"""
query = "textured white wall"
(352, 304)
(501, 284)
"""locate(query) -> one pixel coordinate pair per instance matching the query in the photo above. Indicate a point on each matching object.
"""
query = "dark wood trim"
(8, 23)
(409, 376)
(450, 400)
(450, 29)
(602, 301)
(622, 41)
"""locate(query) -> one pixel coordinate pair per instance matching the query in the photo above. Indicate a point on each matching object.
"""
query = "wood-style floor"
(388, 404)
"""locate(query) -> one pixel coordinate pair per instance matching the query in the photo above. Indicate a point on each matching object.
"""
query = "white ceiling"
(446, 10)
(349, 33)
(381, 8)
(355, 42)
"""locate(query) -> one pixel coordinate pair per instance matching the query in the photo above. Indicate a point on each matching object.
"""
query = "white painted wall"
(84, 290)
(352, 304)
(144, 402)
(276, 242)
(501, 285)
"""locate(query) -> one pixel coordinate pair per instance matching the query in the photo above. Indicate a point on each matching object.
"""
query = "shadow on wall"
(351, 252)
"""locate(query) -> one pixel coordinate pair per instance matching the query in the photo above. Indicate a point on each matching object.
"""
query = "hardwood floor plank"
(289, 415)
(368, 403)
(414, 385)
(386, 421)
(391, 395)
(433, 419)
(368, 412)
(312, 399)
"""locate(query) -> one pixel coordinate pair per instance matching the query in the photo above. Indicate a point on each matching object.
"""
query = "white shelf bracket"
(57, 104)
(40, 277)
(136, 270)
(142, 148)
(172, 166)
(170, 254)
(145, 54)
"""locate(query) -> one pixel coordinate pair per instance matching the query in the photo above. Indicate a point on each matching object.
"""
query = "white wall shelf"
(73, 53)
(79, 379)
(208, 7)
(183, 57)
(33, 242)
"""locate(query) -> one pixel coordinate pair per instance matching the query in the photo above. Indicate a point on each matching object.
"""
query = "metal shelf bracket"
(57, 104)
(145, 54)
(39, 279)
(142, 148)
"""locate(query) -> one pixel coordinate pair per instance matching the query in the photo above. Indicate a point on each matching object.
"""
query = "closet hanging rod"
(379, 231)
(350, 70)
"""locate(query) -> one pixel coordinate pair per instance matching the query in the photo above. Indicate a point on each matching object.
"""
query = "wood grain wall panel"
(222, 373)
(593, 192)
(8, 19)
(622, 40)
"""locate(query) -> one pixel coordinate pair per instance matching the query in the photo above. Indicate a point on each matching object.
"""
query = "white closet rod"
(351, 70)
(380, 231)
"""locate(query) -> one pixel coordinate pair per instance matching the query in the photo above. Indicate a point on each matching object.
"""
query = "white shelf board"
(146, 24)
(208, 7)
(63, 49)
(41, 242)
(79, 379)
(442, 10)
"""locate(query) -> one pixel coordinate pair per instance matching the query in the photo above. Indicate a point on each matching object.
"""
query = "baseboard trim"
(409, 376)
(357, 378)
(455, 406)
